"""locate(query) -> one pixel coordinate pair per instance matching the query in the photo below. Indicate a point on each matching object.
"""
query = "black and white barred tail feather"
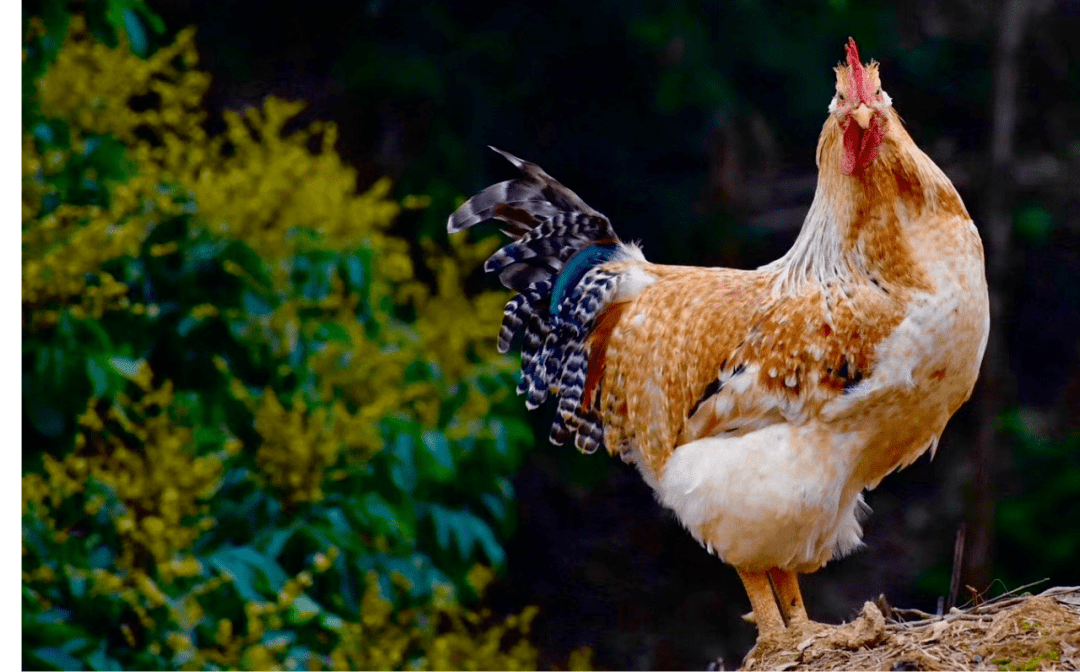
(549, 225)
(519, 310)
(548, 222)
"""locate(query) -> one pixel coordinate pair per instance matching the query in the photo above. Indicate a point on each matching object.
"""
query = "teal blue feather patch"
(576, 267)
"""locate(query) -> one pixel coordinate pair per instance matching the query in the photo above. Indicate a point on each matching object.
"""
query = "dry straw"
(1026, 632)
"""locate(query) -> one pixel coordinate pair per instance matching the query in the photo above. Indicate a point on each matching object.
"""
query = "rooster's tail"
(555, 263)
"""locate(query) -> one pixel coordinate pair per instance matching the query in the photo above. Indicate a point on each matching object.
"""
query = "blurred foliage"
(1034, 226)
(461, 77)
(632, 95)
(1034, 544)
(253, 437)
(1036, 540)
(640, 93)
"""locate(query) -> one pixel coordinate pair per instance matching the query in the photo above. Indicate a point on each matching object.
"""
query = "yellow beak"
(862, 115)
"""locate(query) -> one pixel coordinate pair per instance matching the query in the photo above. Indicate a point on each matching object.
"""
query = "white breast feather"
(767, 498)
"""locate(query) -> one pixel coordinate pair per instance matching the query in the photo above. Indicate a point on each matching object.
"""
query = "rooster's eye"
(840, 97)
(878, 92)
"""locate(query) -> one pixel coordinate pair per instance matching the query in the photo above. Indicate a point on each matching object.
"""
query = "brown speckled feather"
(778, 359)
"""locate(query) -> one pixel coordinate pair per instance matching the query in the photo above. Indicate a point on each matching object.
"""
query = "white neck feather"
(823, 254)
(817, 256)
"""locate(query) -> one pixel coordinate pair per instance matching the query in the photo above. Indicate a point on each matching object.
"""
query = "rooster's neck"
(860, 227)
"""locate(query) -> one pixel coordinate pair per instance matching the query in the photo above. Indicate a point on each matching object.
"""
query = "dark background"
(693, 128)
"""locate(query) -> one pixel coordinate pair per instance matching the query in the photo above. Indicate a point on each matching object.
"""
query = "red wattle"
(852, 140)
(871, 141)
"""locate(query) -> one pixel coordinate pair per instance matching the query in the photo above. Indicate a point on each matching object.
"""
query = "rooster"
(758, 404)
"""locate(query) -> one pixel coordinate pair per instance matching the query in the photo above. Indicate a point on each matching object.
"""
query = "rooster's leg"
(766, 613)
(789, 596)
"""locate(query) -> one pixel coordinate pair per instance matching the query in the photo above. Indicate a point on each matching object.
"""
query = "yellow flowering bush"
(64, 252)
(254, 436)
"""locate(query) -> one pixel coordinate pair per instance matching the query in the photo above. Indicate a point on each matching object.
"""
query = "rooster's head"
(860, 106)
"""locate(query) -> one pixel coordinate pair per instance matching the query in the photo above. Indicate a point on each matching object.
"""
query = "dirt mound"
(1029, 632)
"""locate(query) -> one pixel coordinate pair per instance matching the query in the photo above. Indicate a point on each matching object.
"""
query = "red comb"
(852, 52)
(860, 83)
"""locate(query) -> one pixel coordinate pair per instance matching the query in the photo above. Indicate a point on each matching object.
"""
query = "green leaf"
(102, 557)
(403, 468)
(453, 527)
(303, 609)
(501, 435)
(273, 639)
(442, 523)
(418, 573)
(331, 331)
(339, 522)
(248, 261)
(126, 366)
(46, 419)
(201, 253)
(241, 563)
(276, 541)
(506, 488)
(43, 132)
(136, 33)
(114, 12)
(243, 579)
(76, 584)
(380, 514)
(355, 267)
(99, 378)
(187, 324)
(494, 505)
(467, 531)
(331, 621)
(100, 660)
(492, 548)
(254, 304)
(57, 658)
(56, 16)
(56, 615)
(157, 24)
(270, 569)
(440, 464)
(204, 436)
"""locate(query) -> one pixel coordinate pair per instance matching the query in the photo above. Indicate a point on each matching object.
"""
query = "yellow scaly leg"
(789, 596)
(766, 613)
